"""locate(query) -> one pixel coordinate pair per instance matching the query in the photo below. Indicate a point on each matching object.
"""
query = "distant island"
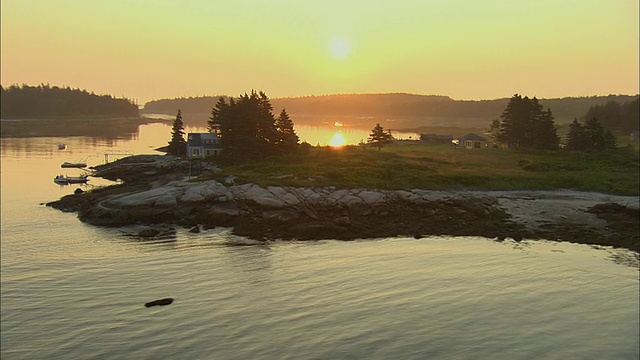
(395, 105)
(45, 101)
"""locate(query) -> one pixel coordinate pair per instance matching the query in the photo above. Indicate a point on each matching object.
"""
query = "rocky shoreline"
(155, 191)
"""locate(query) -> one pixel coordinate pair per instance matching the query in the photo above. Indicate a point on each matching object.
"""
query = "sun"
(340, 48)
(338, 140)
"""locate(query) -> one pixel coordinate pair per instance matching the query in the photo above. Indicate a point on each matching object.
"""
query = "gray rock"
(342, 221)
(167, 201)
(147, 233)
(356, 205)
(281, 216)
(371, 198)
(263, 197)
(225, 209)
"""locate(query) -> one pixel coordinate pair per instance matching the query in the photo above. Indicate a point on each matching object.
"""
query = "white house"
(472, 141)
(201, 145)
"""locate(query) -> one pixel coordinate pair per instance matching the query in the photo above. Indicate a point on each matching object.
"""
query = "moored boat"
(65, 180)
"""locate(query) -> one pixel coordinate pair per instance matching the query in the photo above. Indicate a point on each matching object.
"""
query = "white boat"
(65, 180)
(67, 164)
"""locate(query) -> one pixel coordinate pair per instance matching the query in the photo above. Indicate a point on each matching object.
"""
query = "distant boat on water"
(66, 180)
(67, 164)
(62, 146)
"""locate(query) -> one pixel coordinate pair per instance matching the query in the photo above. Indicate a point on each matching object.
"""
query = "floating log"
(161, 302)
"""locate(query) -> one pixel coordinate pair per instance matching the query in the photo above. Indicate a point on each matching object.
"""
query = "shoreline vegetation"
(410, 164)
(274, 200)
(44, 100)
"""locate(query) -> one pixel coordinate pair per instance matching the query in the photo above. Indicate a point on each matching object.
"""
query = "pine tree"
(177, 145)
(590, 137)
(576, 138)
(288, 140)
(494, 129)
(610, 141)
(217, 114)
(247, 127)
(525, 124)
(379, 137)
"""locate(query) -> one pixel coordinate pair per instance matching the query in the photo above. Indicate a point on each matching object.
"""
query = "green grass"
(445, 168)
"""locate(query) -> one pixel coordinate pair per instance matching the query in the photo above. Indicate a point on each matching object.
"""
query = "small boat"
(67, 164)
(62, 146)
(65, 180)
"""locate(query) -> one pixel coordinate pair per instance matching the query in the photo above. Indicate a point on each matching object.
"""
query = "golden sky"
(466, 49)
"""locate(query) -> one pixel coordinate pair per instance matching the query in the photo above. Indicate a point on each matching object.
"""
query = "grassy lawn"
(446, 168)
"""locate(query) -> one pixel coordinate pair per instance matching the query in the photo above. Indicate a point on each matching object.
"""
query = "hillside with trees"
(190, 105)
(616, 116)
(43, 101)
(397, 105)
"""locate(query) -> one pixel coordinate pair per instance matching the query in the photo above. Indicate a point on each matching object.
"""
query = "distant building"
(436, 139)
(472, 141)
(201, 145)
(505, 145)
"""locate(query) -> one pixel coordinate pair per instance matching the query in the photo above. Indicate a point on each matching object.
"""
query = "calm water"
(73, 291)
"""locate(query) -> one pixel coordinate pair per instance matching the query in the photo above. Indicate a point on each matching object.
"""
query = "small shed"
(472, 141)
(201, 145)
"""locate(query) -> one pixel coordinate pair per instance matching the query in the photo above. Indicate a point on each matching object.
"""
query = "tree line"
(45, 101)
(393, 105)
(525, 124)
(246, 127)
(616, 116)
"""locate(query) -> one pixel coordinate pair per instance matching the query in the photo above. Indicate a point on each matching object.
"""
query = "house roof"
(200, 139)
(472, 137)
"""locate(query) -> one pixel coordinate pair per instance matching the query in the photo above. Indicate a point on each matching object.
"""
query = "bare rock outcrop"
(273, 212)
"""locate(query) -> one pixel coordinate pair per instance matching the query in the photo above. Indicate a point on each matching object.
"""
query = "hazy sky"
(467, 49)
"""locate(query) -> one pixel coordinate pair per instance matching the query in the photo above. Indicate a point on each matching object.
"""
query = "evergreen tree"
(288, 140)
(525, 124)
(494, 129)
(610, 141)
(577, 137)
(543, 134)
(379, 137)
(177, 145)
(246, 127)
(217, 113)
(590, 137)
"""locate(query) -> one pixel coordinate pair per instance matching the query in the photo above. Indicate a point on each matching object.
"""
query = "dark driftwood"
(161, 302)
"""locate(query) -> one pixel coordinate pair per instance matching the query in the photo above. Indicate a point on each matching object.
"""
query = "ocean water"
(74, 291)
